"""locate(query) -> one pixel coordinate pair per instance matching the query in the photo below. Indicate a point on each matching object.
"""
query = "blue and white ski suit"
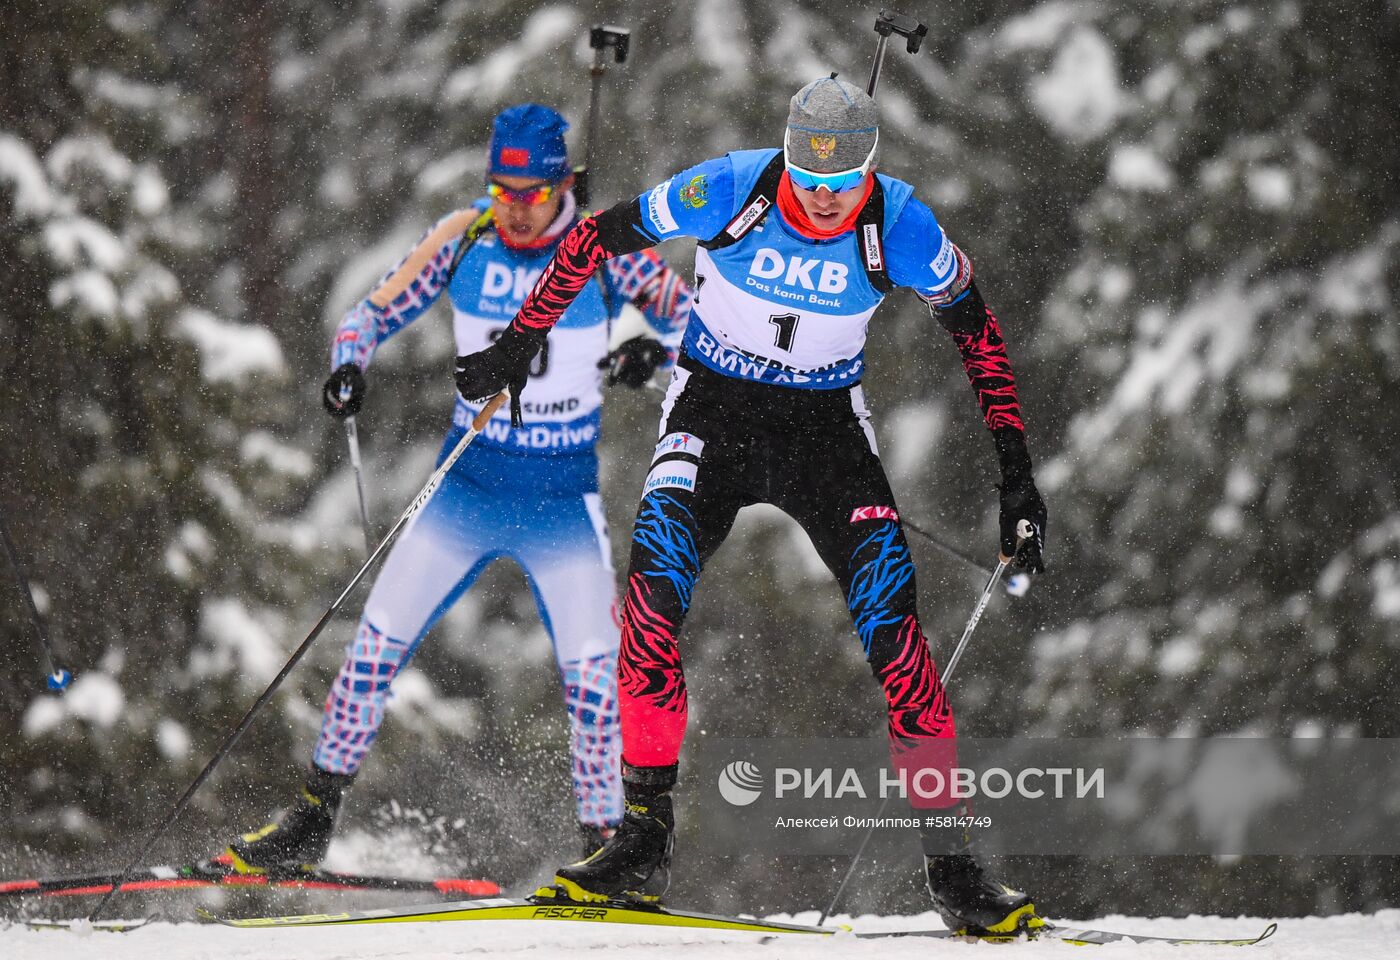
(529, 494)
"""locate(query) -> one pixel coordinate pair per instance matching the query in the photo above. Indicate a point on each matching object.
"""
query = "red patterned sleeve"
(578, 256)
(975, 330)
(591, 241)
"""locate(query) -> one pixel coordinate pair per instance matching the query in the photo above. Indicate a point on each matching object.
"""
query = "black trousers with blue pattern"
(725, 444)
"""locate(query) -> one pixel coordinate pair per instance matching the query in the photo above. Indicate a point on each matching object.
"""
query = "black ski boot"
(594, 837)
(298, 838)
(971, 902)
(635, 863)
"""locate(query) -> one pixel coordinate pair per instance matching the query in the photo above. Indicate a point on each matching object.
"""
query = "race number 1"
(785, 325)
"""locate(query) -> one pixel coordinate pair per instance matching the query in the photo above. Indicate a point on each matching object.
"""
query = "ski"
(1082, 936)
(1089, 937)
(504, 909)
(215, 874)
(649, 915)
(84, 926)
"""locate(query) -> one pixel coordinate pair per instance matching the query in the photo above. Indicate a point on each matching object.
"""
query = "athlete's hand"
(633, 362)
(1020, 500)
(506, 363)
(344, 392)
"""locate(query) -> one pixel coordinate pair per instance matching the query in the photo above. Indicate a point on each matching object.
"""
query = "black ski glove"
(506, 363)
(344, 392)
(1020, 500)
(633, 362)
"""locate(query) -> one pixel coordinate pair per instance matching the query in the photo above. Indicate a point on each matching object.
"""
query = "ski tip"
(1269, 931)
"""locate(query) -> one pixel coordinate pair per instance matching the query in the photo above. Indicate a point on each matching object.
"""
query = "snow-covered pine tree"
(139, 439)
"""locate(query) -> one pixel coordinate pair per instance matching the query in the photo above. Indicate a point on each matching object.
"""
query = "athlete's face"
(826, 209)
(522, 222)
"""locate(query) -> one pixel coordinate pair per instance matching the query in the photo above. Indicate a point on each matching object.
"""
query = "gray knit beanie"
(831, 126)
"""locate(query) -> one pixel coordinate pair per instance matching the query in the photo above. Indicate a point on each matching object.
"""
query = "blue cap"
(528, 141)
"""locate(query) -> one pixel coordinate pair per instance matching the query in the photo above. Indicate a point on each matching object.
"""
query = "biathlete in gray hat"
(797, 247)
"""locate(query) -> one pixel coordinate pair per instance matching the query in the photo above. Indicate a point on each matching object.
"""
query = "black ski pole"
(58, 678)
(223, 750)
(1023, 533)
(600, 38)
(352, 438)
(887, 23)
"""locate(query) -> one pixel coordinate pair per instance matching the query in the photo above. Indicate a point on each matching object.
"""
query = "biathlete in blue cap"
(529, 493)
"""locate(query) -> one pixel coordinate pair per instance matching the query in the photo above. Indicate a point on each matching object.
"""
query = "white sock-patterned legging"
(561, 544)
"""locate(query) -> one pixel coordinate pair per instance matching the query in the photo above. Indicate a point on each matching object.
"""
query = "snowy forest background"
(1186, 214)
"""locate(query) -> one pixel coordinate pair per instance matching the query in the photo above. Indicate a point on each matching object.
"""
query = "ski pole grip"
(1024, 531)
(489, 411)
(910, 29)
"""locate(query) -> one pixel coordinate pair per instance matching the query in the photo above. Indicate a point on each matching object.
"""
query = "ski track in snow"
(1346, 937)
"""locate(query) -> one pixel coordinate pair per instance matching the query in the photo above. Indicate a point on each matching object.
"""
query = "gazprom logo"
(740, 783)
(942, 264)
(659, 209)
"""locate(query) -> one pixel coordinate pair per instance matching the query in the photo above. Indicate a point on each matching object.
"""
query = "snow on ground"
(1347, 937)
